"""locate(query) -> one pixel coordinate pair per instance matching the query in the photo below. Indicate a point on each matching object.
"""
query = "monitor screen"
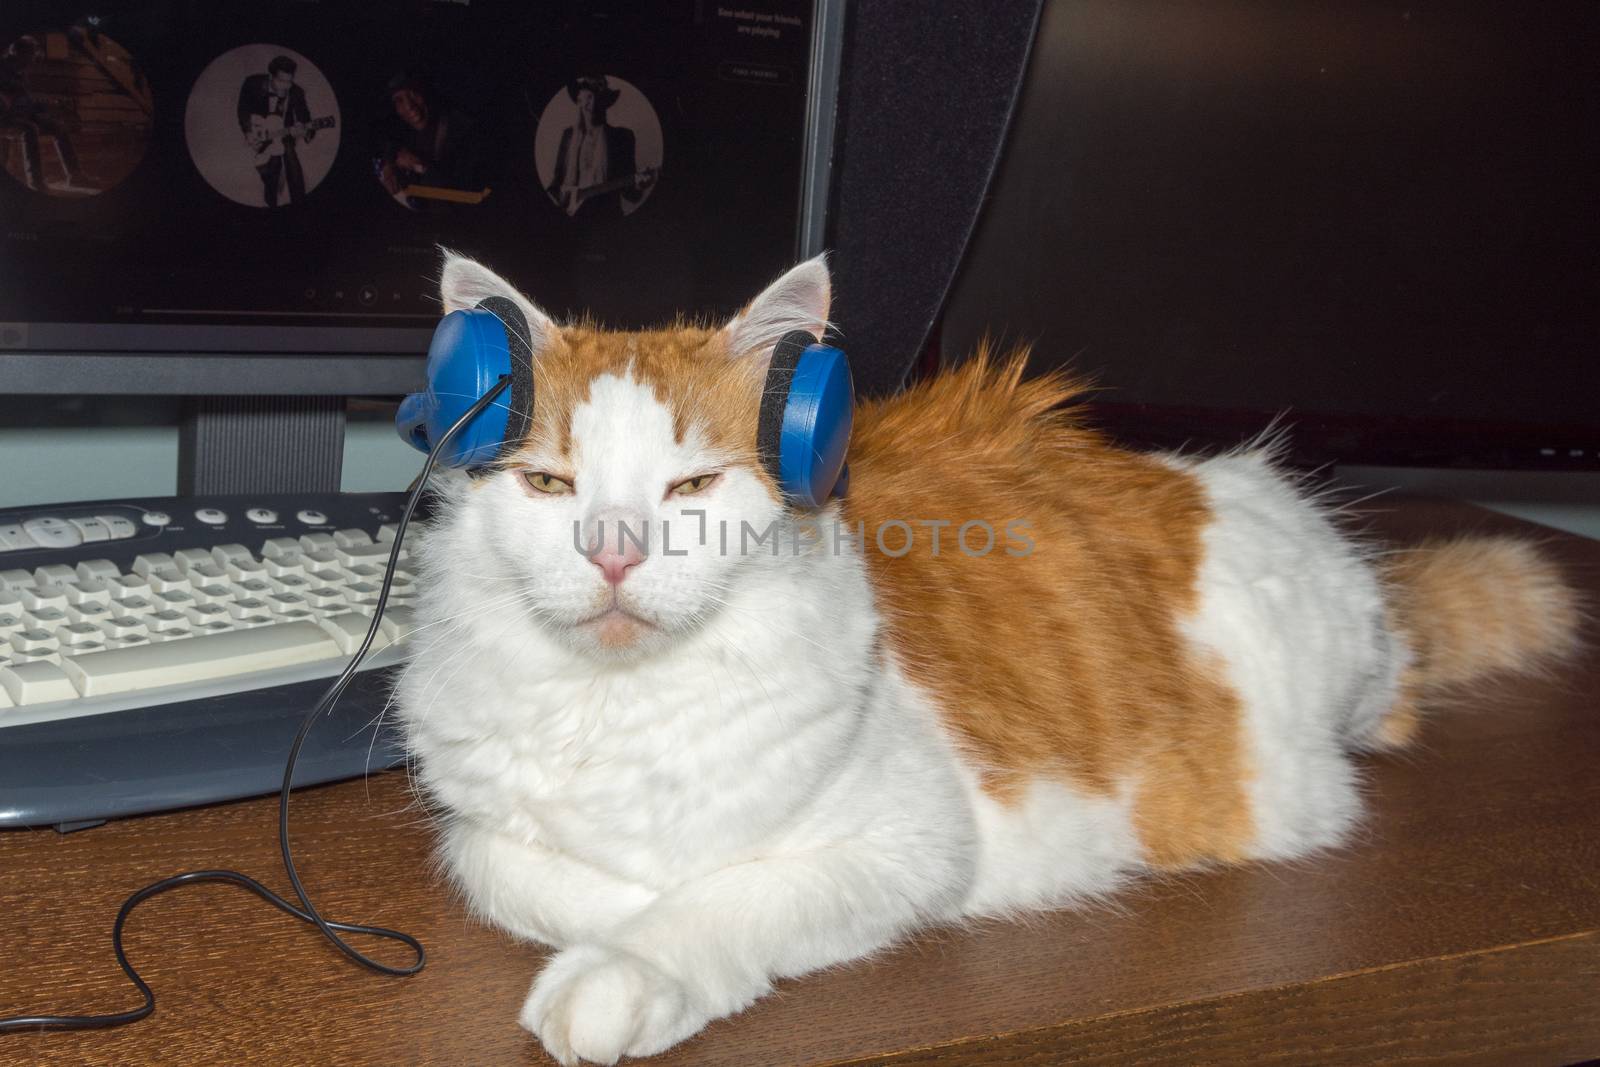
(1377, 220)
(258, 177)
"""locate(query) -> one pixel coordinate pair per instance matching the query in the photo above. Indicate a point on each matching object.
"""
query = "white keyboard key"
(241, 569)
(10, 623)
(33, 641)
(157, 636)
(36, 682)
(365, 572)
(149, 561)
(176, 599)
(362, 592)
(45, 618)
(82, 648)
(50, 596)
(351, 538)
(200, 658)
(232, 553)
(249, 606)
(280, 548)
(136, 606)
(212, 594)
(16, 579)
(80, 593)
(323, 563)
(323, 596)
(290, 583)
(118, 526)
(203, 613)
(354, 555)
(78, 633)
(124, 626)
(168, 579)
(162, 621)
(88, 612)
(48, 531)
(91, 529)
(97, 570)
(398, 622)
(53, 574)
(318, 542)
(207, 573)
(256, 587)
(349, 629)
(284, 567)
(12, 537)
(387, 532)
(131, 641)
(128, 585)
(282, 602)
(187, 558)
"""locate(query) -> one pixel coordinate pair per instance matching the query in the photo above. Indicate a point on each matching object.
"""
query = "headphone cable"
(307, 912)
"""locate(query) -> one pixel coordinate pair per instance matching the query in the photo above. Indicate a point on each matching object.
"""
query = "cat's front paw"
(597, 1004)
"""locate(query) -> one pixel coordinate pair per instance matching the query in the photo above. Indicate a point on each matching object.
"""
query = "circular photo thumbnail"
(262, 125)
(75, 111)
(598, 147)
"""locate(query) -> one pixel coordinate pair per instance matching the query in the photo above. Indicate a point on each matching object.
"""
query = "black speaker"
(926, 93)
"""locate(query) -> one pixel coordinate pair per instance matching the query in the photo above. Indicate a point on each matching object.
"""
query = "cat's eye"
(545, 482)
(691, 486)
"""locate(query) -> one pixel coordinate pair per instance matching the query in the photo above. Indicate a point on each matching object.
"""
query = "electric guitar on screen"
(572, 197)
(268, 134)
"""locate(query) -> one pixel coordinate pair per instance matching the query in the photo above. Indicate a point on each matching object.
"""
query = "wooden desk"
(1464, 927)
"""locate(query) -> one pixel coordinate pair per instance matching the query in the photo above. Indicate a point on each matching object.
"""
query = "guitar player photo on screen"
(429, 150)
(262, 125)
(598, 147)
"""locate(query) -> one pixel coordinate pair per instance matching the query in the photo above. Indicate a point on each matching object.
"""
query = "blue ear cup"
(471, 351)
(803, 432)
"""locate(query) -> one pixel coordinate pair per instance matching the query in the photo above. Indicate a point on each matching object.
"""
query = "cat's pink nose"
(615, 565)
(621, 547)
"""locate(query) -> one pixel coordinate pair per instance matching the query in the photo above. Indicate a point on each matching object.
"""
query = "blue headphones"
(802, 435)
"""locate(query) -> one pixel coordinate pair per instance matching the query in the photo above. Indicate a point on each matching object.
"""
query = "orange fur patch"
(1066, 661)
(687, 367)
(1472, 607)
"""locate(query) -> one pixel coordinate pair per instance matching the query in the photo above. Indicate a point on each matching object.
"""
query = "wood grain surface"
(1464, 926)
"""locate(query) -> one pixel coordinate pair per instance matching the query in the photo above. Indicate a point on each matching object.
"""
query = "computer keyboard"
(160, 653)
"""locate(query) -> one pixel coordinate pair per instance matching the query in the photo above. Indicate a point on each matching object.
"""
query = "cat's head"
(648, 438)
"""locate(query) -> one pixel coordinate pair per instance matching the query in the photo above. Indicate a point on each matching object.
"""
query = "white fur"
(797, 301)
(751, 788)
(1294, 610)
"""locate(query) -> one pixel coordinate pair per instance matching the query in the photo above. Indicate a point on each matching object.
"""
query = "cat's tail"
(1472, 607)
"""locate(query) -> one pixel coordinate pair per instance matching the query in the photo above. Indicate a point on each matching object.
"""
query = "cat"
(1013, 668)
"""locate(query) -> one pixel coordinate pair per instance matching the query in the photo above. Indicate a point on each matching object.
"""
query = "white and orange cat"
(695, 770)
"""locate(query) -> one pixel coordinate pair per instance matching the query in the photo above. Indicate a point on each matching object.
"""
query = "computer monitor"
(248, 198)
(1378, 219)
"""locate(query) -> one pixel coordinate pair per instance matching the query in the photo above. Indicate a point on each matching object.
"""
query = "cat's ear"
(797, 301)
(464, 282)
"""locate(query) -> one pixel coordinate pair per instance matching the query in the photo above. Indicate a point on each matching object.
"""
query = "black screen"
(1381, 218)
(299, 163)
